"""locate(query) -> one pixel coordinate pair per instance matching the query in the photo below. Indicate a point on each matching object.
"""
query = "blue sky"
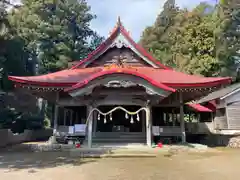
(135, 14)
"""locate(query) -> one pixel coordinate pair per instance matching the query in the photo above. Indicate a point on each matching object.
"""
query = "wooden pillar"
(94, 123)
(164, 118)
(212, 120)
(143, 119)
(71, 117)
(90, 125)
(76, 118)
(55, 122)
(182, 123)
(65, 117)
(198, 118)
(149, 125)
(173, 120)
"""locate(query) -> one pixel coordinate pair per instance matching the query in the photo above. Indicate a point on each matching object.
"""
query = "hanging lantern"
(132, 121)
(111, 117)
(138, 119)
(98, 116)
(126, 115)
(105, 119)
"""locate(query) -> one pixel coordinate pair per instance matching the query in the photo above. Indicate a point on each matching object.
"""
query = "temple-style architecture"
(120, 93)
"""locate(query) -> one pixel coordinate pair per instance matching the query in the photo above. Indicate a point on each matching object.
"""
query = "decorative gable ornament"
(119, 43)
(118, 84)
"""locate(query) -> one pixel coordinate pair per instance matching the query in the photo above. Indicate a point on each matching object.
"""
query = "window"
(220, 112)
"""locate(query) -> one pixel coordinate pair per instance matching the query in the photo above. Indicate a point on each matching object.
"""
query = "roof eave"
(200, 85)
(230, 94)
(38, 83)
(199, 108)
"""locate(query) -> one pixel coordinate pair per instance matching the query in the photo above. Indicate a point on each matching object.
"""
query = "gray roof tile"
(219, 93)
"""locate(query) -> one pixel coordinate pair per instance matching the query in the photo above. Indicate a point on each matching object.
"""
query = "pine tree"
(12, 53)
(55, 32)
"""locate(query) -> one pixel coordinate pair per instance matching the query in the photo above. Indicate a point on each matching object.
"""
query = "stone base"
(52, 140)
(217, 140)
(234, 142)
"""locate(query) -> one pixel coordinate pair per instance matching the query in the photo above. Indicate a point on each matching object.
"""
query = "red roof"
(211, 105)
(162, 77)
(169, 78)
(199, 108)
(119, 29)
(127, 71)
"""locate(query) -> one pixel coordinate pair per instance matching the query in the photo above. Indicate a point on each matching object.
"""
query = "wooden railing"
(170, 131)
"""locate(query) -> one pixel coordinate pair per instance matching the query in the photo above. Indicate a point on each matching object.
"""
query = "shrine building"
(120, 92)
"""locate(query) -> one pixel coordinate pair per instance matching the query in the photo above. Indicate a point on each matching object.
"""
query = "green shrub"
(18, 122)
(46, 122)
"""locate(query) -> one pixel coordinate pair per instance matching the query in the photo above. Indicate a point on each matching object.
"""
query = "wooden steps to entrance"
(118, 137)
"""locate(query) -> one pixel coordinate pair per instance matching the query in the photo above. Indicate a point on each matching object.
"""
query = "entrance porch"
(119, 125)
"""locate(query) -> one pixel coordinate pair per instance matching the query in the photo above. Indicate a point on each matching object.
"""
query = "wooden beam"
(182, 123)
(72, 102)
(168, 105)
(65, 117)
(109, 100)
(143, 119)
(149, 125)
(90, 125)
(55, 122)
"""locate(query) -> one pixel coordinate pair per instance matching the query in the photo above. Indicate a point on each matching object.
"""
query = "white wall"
(233, 98)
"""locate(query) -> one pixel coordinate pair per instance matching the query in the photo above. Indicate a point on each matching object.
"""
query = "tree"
(55, 31)
(95, 41)
(228, 36)
(12, 53)
(156, 38)
(194, 46)
(186, 42)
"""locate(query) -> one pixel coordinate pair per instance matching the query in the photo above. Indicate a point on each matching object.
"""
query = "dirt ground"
(223, 165)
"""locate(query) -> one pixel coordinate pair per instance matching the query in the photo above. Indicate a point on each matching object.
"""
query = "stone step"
(129, 133)
(103, 153)
(109, 140)
(120, 138)
(120, 135)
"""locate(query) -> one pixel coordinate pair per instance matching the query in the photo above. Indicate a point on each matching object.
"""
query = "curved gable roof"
(125, 71)
(169, 78)
(119, 32)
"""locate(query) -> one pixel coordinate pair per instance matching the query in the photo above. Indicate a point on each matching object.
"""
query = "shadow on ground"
(15, 158)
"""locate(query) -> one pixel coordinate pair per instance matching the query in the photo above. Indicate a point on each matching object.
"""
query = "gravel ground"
(221, 165)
